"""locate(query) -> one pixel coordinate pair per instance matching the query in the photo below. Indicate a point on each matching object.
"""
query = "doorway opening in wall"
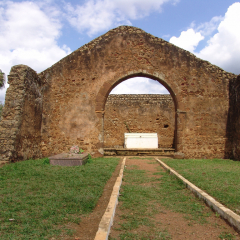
(139, 105)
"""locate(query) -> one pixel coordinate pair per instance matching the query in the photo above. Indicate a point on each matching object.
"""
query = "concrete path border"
(232, 218)
(107, 219)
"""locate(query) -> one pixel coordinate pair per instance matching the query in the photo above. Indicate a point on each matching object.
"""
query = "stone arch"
(67, 100)
(108, 86)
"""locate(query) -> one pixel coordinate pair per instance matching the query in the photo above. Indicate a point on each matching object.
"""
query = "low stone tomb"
(68, 159)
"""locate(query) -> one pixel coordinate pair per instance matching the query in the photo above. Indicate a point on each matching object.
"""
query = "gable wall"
(74, 92)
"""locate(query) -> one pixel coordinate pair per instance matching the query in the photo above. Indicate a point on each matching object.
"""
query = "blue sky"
(40, 33)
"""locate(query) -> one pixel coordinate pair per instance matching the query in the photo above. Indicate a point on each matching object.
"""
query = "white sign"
(140, 140)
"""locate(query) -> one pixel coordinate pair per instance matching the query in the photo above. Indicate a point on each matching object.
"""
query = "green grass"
(219, 178)
(164, 192)
(42, 198)
(226, 236)
(143, 197)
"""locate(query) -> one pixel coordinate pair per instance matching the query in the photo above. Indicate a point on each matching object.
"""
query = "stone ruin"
(139, 113)
(65, 105)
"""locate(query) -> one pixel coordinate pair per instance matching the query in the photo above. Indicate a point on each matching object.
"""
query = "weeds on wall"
(127, 127)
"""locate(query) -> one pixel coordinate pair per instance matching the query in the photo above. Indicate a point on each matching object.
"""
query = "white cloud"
(223, 48)
(144, 86)
(135, 9)
(95, 16)
(28, 35)
(30, 29)
(208, 28)
(188, 40)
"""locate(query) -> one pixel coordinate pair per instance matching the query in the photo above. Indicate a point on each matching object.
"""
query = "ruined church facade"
(65, 105)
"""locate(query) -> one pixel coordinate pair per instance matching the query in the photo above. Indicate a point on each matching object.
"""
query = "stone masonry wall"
(139, 113)
(80, 83)
(233, 126)
(65, 104)
(20, 127)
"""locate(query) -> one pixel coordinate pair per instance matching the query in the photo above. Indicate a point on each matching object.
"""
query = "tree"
(2, 79)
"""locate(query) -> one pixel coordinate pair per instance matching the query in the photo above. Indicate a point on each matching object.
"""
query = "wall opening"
(139, 105)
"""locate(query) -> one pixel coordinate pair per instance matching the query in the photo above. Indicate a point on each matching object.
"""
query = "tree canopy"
(2, 78)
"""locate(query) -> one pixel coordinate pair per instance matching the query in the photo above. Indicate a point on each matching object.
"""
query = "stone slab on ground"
(107, 219)
(68, 159)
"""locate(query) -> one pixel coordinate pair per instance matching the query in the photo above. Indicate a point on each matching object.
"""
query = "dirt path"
(88, 226)
(162, 223)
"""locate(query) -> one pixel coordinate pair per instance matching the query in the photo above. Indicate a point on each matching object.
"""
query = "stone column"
(22, 80)
(181, 121)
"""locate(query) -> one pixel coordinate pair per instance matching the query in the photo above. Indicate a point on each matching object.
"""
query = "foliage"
(39, 201)
(226, 236)
(81, 151)
(89, 159)
(2, 79)
(127, 127)
(76, 149)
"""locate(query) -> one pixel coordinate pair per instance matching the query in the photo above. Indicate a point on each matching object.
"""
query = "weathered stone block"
(179, 155)
(68, 159)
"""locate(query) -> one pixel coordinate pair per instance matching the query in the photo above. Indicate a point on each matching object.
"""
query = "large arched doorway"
(139, 105)
(147, 112)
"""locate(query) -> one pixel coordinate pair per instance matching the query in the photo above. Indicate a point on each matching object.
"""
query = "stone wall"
(139, 113)
(20, 127)
(66, 102)
(233, 126)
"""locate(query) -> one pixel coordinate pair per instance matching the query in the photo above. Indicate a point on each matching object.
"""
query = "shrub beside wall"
(2, 78)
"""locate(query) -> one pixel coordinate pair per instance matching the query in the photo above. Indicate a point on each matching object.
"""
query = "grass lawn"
(37, 200)
(219, 178)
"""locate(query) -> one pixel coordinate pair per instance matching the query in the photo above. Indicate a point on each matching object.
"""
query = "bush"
(2, 79)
